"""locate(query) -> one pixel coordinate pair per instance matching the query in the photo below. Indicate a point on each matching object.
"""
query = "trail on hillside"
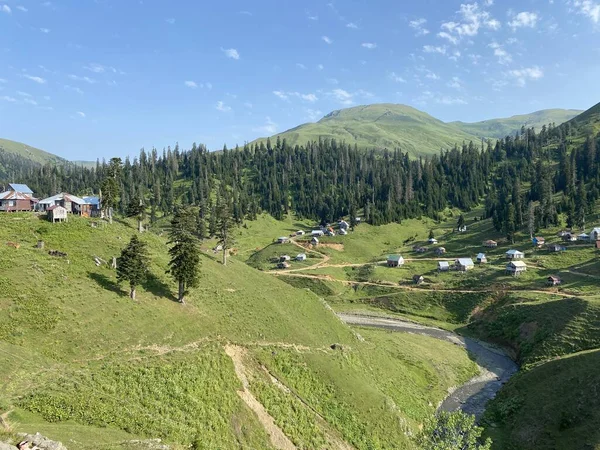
(496, 367)
(278, 438)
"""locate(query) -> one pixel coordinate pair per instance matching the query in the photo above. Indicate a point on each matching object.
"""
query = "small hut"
(440, 251)
(490, 244)
(395, 261)
(418, 279)
(553, 281)
(301, 257)
(443, 266)
(516, 268)
(481, 258)
(57, 213)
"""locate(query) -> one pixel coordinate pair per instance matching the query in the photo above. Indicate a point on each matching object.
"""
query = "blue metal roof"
(92, 200)
(22, 188)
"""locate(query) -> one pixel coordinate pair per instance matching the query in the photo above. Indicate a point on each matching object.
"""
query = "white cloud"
(23, 94)
(99, 68)
(455, 83)
(300, 66)
(313, 18)
(223, 107)
(248, 105)
(435, 49)
(526, 74)
(503, 56)
(332, 81)
(81, 114)
(45, 30)
(342, 96)
(471, 19)
(78, 78)
(313, 115)
(320, 67)
(6, 98)
(191, 84)
(369, 45)
(448, 100)
(269, 127)
(327, 40)
(432, 75)
(231, 53)
(311, 98)
(2, 80)
(6, 9)
(397, 78)
(38, 80)
(74, 89)
(170, 21)
(523, 19)
(352, 25)
(588, 8)
(418, 26)
(22, 8)
(30, 101)
(490, 2)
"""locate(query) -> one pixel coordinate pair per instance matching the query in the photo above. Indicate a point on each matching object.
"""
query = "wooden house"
(283, 265)
(481, 258)
(553, 281)
(556, 248)
(515, 254)
(433, 241)
(343, 225)
(539, 242)
(57, 213)
(17, 198)
(314, 241)
(300, 233)
(301, 257)
(516, 268)
(96, 205)
(490, 244)
(464, 264)
(440, 251)
(569, 237)
(283, 240)
(317, 233)
(72, 203)
(418, 279)
(285, 258)
(595, 234)
(443, 266)
(395, 261)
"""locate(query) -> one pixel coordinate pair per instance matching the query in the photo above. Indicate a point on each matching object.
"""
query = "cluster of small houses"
(20, 198)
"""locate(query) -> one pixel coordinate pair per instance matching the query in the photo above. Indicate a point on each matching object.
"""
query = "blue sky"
(86, 79)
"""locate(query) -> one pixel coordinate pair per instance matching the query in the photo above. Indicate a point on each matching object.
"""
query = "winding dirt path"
(496, 367)
(278, 438)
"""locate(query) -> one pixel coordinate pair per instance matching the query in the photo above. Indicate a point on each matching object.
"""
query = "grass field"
(82, 363)
(32, 153)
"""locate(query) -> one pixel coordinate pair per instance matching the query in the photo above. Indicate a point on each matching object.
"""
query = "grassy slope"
(382, 126)
(500, 128)
(81, 361)
(29, 152)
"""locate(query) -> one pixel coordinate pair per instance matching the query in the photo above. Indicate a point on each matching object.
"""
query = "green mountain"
(29, 152)
(391, 126)
(500, 128)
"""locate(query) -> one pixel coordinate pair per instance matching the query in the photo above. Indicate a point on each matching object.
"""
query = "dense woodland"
(517, 178)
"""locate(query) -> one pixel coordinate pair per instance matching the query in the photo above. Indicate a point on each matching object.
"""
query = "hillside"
(82, 363)
(399, 126)
(500, 128)
(28, 152)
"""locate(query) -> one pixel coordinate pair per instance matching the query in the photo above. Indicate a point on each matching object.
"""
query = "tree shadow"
(159, 288)
(106, 283)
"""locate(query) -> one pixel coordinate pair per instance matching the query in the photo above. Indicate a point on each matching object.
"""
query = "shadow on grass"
(159, 288)
(106, 283)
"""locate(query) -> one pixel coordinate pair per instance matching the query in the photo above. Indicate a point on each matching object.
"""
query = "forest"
(525, 180)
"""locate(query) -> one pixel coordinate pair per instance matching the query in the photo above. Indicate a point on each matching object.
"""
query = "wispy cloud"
(245, 13)
(471, 18)
(313, 115)
(320, 66)
(311, 98)
(23, 94)
(419, 26)
(38, 80)
(191, 84)
(499, 52)
(526, 74)
(441, 49)
(45, 30)
(231, 53)
(588, 8)
(5, 9)
(523, 19)
(314, 18)
(352, 25)
(81, 114)
(30, 101)
(342, 96)
(99, 68)
(327, 40)
(222, 107)
(455, 83)
(369, 45)
(74, 89)
(170, 21)
(6, 98)
(300, 66)
(21, 8)
(269, 127)
(397, 78)
(78, 78)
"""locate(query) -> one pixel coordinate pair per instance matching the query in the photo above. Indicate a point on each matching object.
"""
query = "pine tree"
(224, 229)
(461, 222)
(531, 219)
(184, 251)
(132, 264)
(137, 209)
(111, 187)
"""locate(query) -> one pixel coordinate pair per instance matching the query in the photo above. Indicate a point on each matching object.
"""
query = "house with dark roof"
(464, 264)
(481, 258)
(553, 281)
(418, 279)
(395, 261)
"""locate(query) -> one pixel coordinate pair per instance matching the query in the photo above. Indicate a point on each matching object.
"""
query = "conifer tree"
(111, 188)
(184, 251)
(224, 229)
(132, 264)
(137, 209)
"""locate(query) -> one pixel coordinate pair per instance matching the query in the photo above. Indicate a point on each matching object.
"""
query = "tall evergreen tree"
(137, 209)
(132, 264)
(111, 188)
(224, 229)
(184, 251)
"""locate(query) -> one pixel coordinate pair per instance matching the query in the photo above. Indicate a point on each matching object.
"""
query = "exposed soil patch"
(337, 247)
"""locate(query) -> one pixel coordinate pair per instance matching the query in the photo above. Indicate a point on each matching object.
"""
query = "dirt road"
(495, 366)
